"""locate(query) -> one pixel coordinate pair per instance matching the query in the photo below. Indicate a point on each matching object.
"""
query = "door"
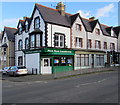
(46, 66)
(92, 61)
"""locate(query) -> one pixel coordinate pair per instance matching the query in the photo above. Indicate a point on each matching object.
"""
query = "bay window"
(26, 43)
(35, 41)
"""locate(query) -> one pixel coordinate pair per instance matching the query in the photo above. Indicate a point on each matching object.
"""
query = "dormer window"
(4, 39)
(20, 30)
(37, 22)
(78, 27)
(97, 31)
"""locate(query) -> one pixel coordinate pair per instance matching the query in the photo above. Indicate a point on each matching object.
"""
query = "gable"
(35, 14)
(78, 21)
(97, 26)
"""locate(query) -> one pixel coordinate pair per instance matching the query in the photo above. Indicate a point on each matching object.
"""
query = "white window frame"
(79, 42)
(59, 41)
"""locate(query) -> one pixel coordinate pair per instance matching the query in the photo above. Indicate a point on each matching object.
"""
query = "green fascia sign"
(55, 51)
(51, 51)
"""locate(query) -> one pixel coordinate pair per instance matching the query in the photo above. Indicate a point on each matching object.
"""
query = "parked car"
(18, 70)
(5, 70)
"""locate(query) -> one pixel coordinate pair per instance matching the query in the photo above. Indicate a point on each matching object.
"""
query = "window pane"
(32, 41)
(38, 40)
(63, 61)
(56, 61)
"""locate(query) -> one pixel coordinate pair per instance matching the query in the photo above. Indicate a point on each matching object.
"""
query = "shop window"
(63, 61)
(79, 42)
(56, 61)
(99, 60)
(83, 60)
(69, 61)
(59, 40)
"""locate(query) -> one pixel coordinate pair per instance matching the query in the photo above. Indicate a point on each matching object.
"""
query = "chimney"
(92, 18)
(61, 8)
(24, 17)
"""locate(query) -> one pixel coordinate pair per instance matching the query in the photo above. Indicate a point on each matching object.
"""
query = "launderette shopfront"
(55, 60)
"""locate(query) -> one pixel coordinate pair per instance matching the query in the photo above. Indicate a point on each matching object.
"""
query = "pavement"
(28, 78)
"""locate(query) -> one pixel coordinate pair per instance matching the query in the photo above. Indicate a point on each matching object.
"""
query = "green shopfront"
(54, 60)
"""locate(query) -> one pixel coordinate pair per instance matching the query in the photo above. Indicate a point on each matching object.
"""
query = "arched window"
(20, 45)
(37, 22)
(26, 43)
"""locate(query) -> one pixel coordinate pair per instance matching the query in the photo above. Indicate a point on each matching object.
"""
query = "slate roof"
(117, 30)
(86, 24)
(73, 18)
(53, 16)
(10, 33)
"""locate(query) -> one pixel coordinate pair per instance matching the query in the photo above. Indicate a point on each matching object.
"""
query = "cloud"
(84, 14)
(104, 12)
(12, 22)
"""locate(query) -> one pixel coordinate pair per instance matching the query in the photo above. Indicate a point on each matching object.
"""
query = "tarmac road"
(91, 88)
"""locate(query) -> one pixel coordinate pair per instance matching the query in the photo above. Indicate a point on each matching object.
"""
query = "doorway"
(46, 66)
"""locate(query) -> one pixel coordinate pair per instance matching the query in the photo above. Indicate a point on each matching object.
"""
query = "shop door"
(46, 66)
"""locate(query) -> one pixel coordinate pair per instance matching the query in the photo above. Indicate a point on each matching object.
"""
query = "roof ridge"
(10, 27)
(50, 8)
(85, 18)
(22, 20)
(105, 25)
(46, 6)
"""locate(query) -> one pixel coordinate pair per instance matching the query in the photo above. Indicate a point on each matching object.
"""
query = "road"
(90, 88)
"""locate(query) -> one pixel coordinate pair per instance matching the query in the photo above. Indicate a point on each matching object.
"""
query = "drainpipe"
(87, 40)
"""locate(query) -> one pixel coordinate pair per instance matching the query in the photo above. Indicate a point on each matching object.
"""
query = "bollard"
(36, 71)
(32, 71)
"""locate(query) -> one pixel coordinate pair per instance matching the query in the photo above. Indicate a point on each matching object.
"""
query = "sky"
(106, 12)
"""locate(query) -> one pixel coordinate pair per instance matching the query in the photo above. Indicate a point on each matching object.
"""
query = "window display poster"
(56, 61)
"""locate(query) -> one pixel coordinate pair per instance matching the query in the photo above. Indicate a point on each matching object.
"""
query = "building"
(52, 40)
(8, 47)
(0, 50)
(48, 38)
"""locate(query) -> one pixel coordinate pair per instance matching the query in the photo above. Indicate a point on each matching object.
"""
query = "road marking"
(91, 83)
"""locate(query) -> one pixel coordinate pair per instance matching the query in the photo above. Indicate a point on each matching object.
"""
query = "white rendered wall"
(52, 29)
